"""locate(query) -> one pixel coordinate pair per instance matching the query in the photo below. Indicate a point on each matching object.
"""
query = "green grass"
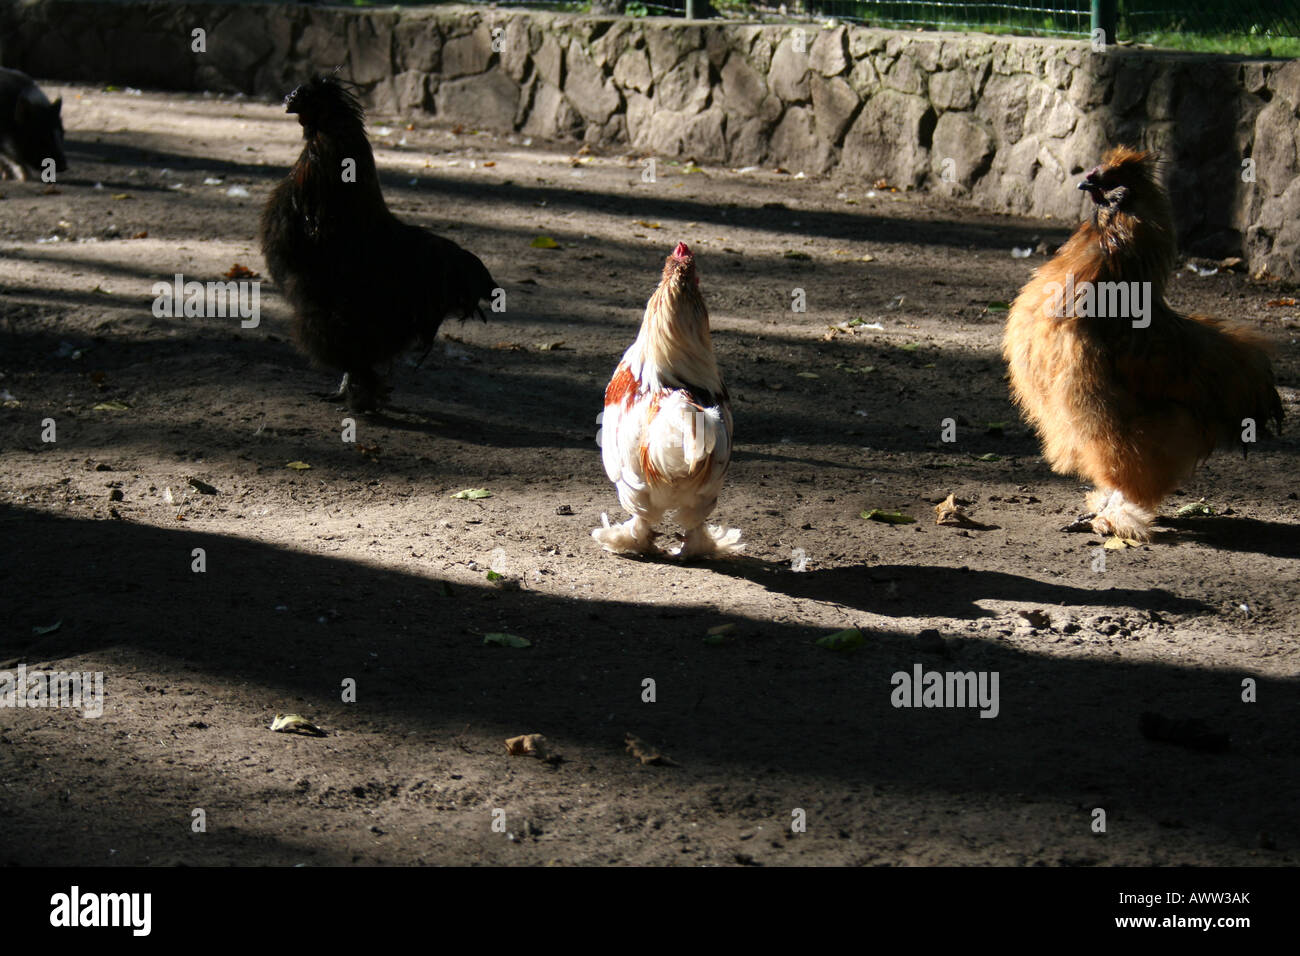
(1238, 44)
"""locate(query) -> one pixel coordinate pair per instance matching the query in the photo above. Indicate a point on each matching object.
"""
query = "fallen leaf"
(999, 307)
(809, 375)
(528, 745)
(795, 254)
(989, 456)
(647, 225)
(295, 724)
(846, 640)
(298, 465)
(120, 196)
(1281, 303)
(722, 629)
(1199, 508)
(240, 272)
(949, 513)
(504, 640)
(550, 346)
(113, 406)
(48, 629)
(1117, 543)
(544, 242)
(202, 487)
(888, 517)
(645, 753)
(473, 494)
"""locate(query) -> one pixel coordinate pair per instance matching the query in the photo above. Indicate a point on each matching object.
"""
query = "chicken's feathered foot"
(709, 541)
(362, 390)
(1116, 515)
(634, 536)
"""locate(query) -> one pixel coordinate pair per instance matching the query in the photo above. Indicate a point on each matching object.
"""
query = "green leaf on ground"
(888, 517)
(472, 494)
(846, 640)
(506, 640)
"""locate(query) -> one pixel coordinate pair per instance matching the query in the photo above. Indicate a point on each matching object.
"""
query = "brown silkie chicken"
(1123, 390)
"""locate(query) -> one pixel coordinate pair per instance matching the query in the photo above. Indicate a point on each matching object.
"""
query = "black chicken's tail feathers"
(468, 283)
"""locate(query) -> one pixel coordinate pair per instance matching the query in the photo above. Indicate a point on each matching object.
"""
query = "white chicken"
(666, 430)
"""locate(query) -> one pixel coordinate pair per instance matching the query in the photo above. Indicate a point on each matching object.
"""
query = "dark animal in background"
(31, 127)
(364, 286)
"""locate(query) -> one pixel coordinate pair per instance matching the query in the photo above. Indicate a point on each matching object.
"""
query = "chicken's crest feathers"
(326, 103)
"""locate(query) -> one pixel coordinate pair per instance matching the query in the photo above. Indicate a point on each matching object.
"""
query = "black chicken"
(364, 286)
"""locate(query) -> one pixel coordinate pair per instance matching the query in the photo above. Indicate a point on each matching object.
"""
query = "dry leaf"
(528, 745)
(202, 487)
(295, 724)
(949, 513)
(645, 753)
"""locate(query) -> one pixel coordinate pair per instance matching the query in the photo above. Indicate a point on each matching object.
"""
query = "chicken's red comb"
(683, 251)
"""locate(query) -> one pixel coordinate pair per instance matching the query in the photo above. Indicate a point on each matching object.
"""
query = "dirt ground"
(364, 567)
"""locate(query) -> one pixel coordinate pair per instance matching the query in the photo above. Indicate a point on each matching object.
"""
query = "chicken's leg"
(709, 541)
(636, 535)
(1116, 515)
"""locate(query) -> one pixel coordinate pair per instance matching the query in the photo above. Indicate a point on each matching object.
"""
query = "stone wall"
(1006, 123)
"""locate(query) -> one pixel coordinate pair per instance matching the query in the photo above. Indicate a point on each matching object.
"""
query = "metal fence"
(1218, 22)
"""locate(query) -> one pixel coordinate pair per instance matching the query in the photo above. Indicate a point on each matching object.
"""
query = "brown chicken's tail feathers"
(1247, 386)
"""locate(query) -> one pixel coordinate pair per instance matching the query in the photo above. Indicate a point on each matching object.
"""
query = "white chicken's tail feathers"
(682, 437)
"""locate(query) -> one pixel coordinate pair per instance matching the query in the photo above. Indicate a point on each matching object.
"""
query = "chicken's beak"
(1092, 188)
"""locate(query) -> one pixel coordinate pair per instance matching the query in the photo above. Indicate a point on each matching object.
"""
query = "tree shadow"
(768, 705)
(908, 590)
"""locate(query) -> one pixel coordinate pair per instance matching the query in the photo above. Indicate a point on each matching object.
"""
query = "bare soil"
(364, 567)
